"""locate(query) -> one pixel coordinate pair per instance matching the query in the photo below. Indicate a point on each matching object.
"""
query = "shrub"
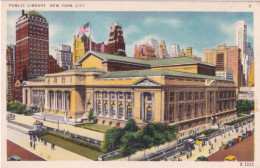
(112, 139)
(91, 115)
(131, 126)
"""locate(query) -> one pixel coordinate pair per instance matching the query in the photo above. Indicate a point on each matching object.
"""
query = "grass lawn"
(81, 150)
(96, 127)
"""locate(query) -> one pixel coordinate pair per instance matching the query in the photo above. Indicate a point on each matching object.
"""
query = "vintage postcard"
(120, 81)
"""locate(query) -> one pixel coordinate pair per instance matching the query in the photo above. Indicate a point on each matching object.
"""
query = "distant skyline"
(199, 30)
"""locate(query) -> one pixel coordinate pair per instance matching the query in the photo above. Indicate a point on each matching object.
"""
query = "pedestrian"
(34, 145)
(41, 139)
(209, 151)
(215, 140)
(30, 143)
(53, 146)
(190, 153)
(187, 154)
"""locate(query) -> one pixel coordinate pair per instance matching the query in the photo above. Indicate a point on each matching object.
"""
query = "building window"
(149, 113)
(180, 114)
(188, 111)
(129, 96)
(129, 111)
(121, 96)
(201, 95)
(202, 109)
(121, 110)
(171, 113)
(196, 95)
(106, 108)
(113, 95)
(105, 95)
(149, 97)
(181, 96)
(113, 112)
(196, 109)
(172, 96)
(99, 108)
(189, 96)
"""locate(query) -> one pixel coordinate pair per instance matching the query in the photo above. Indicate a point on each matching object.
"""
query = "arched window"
(106, 108)
(121, 110)
(149, 113)
(99, 108)
(113, 112)
(129, 111)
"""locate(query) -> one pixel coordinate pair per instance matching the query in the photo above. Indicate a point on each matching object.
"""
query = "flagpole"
(90, 36)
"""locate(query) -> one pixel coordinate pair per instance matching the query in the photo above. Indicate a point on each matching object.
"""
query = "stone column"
(142, 106)
(95, 103)
(152, 112)
(46, 99)
(116, 105)
(55, 100)
(132, 104)
(124, 105)
(108, 103)
(102, 104)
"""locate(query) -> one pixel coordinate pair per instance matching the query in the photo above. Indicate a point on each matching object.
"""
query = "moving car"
(14, 158)
(245, 135)
(249, 133)
(202, 158)
(230, 158)
(240, 138)
(236, 140)
(224, 146)
(231, 143)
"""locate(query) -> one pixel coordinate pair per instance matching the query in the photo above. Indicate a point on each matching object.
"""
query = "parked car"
(230, 158)
(231, 143)
(224, 146)
(249, 133)
(240, 138)
(236, 140)
(245, 135)
(202, 158)
(14, 158)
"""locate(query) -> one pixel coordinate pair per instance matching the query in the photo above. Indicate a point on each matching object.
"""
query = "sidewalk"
(41, 150)
(29, 120)
(205, 150)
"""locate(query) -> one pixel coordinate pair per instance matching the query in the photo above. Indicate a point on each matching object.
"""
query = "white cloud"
(130, 30)
(250, 31)
(171, 22)
(130, 49)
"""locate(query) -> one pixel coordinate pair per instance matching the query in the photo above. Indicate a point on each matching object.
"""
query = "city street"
(45, 152)
(207, 151)
(16, 150)
(243, 151)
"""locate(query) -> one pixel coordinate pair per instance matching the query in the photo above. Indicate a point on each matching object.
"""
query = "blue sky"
(199, 30)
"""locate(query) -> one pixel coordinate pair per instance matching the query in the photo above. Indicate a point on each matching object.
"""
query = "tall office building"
(144, 52)
(227, 60)
(63, 55)
(116, 44)
(154, 44)
(250, 56)
(10, 73)
(174, 50)
(241, 42)
(32, 45)
(163, 53)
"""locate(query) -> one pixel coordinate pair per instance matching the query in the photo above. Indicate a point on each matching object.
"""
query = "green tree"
(91, 115)
(144, 142)
(129, 145)
(112, 139)
(131, 126)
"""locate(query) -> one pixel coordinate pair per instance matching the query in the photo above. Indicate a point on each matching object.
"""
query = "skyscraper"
(154, 43)
(241, 42)
(63, 55)
(174, 50)
(163, 53)
(32, 45)
(116, 44)
(10, 72)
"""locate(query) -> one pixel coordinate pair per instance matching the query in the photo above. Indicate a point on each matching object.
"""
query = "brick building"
(10, 73)
(53, 66)
(32, 45)
(144, 52)
(116, 44)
